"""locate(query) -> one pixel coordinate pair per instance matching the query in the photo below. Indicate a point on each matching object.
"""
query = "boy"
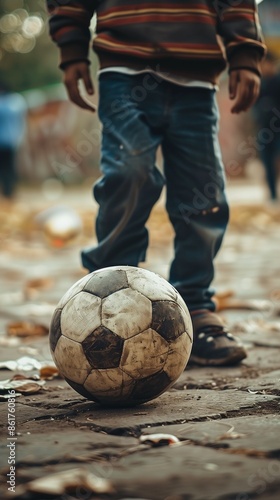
(159, 66)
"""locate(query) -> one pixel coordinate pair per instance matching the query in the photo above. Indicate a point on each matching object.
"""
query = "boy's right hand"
(72, 74)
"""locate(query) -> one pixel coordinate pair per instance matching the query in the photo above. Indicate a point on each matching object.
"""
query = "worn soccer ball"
(121, 336)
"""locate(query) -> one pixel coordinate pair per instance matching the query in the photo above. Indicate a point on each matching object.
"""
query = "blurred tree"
(28, 59)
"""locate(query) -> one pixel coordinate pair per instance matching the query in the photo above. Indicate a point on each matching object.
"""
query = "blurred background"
(50, 159)
(52, 146)
(60, 143)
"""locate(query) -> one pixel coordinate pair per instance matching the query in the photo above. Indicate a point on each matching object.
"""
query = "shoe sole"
(235, 358)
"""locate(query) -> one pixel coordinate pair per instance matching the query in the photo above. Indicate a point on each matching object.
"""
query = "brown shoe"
(213, 345)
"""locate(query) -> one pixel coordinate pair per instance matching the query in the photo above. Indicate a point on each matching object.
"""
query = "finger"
(249, 94)
(249, 99)
(255, 93)
(87, 80)
(242, 97)
(75, 96)
(233, 84)
(82, 103)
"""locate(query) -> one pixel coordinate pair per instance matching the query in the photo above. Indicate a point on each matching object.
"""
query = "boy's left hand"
(244, 88)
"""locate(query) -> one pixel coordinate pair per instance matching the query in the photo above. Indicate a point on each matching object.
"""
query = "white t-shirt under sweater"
(178, 80)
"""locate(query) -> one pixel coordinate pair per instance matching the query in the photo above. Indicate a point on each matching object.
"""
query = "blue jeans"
(139, 113)
(270, 156)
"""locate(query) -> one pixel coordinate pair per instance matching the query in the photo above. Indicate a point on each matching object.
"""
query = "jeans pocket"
(114, 93)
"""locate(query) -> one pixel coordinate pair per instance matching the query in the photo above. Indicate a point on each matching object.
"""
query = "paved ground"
(227, 420)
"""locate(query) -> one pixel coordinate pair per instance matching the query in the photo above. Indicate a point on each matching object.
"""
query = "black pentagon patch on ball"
(167, 319)
(103, 348)
(150, 387)
(55, 329)
(106, 282)
(80, 389)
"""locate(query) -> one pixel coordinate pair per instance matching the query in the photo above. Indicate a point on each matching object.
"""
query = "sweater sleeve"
(69, 28)
(240, 30)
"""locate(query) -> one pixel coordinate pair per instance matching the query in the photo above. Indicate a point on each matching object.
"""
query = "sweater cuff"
(65, 65)
(247, 57)
(72, 52)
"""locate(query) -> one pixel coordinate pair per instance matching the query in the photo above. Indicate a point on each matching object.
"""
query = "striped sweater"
(195, 39)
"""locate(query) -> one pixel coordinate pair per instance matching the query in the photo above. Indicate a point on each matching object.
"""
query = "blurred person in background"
(12, 129)
(267, 116)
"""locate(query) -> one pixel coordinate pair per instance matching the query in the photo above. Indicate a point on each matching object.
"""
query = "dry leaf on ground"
(34, 286)
(227, 300)
(26, 329)
(49, 372)
(158, 439)
(24, 386)
(25, 363)
(67, 482)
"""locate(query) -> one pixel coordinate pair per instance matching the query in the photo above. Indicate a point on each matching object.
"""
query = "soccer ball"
(121, 336)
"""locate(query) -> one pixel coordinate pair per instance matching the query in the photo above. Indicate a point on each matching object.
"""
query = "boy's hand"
(244, 87)
(72, 74)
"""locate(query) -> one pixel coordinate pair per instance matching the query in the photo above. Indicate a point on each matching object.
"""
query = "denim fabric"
(270, 156)
(139, 113)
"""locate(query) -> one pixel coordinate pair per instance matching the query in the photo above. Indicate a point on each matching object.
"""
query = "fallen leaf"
(221, 299)
(227, 300)
(59, 224)
(19, 376)
(39, 283)
(158, 439)
(67, 482)
(25, 329)
(29, 388)
(256, 217)
(48, 372)
(22, 364)
(231, 435)
(26, 386)
(33, 287)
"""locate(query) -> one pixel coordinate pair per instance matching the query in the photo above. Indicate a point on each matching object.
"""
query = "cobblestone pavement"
(227, 419)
